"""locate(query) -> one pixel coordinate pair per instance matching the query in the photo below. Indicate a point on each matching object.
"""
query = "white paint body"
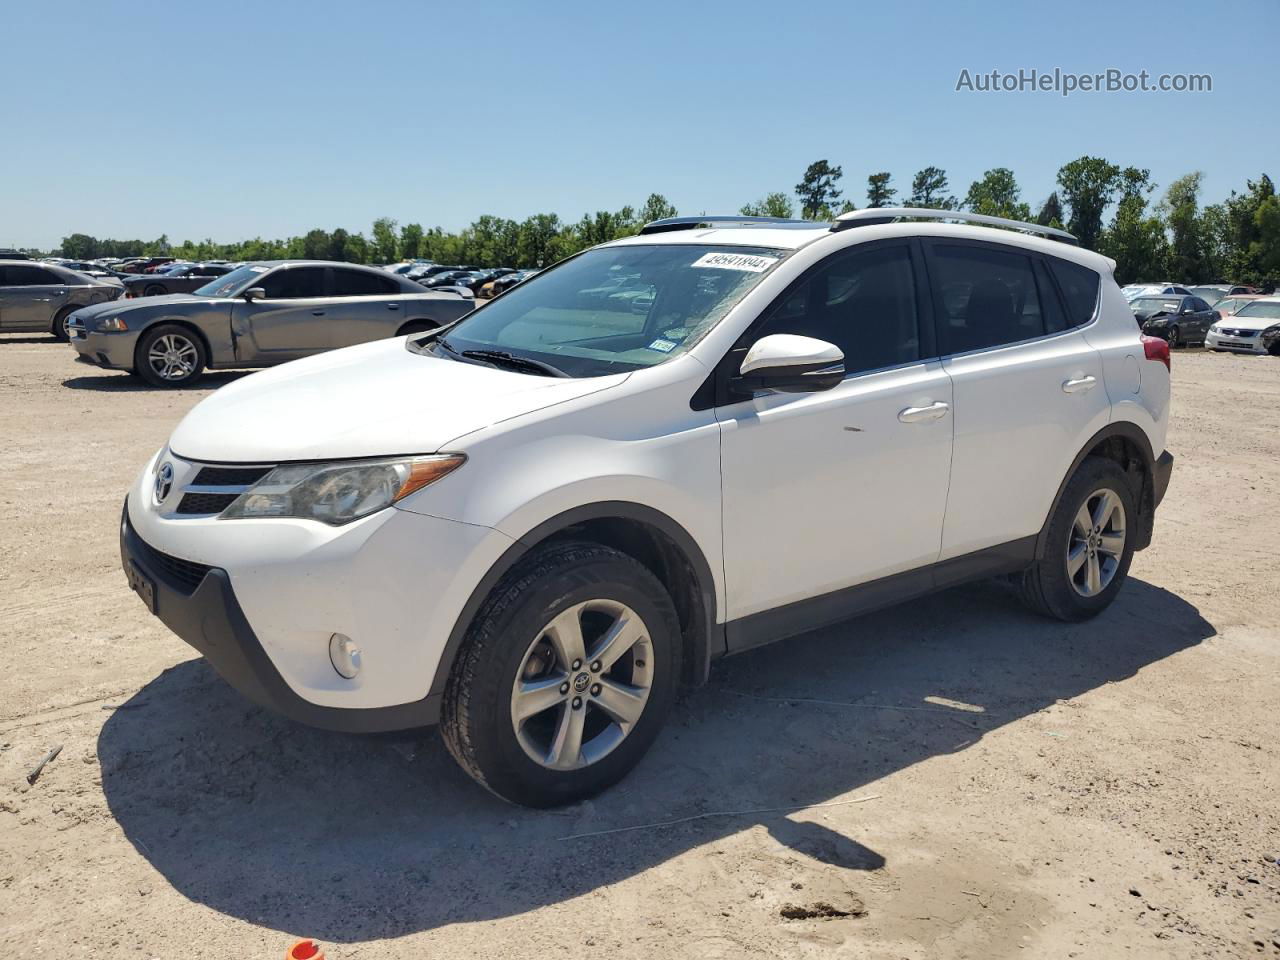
(789, 496)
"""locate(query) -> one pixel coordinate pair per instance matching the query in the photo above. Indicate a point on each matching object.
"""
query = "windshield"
(1152, 305)
(1260, 308)
(232, 283)
(617, 309)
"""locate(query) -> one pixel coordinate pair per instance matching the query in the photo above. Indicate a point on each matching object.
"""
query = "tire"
(513, 637)
(416, 326)
(59, 326)
(1049, 586)
(154, 290)
(1172, 335)
(184, 356)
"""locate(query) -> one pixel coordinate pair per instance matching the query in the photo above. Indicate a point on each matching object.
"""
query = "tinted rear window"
(1079, 287)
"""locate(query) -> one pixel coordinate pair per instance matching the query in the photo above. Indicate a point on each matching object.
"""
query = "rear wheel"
(60, 321)
(170, 356)
(153, 290)
(566, 676)
(1089, 547)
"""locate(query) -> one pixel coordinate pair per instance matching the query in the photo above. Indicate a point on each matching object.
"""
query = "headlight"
(337, 493)
(111, 325)
(1214, 329)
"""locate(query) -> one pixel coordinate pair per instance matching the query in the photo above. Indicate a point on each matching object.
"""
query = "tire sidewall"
(59, 326)
(506, 634)
(150, 336)
(1094, 473)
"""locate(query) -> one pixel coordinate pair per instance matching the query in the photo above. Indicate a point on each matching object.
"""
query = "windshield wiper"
(501, 358)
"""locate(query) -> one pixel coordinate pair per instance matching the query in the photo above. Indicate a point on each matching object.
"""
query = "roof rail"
(692, 223)
(874, 215)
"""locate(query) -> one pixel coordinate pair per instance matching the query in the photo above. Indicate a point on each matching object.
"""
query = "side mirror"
(255, 293)
(790, 364)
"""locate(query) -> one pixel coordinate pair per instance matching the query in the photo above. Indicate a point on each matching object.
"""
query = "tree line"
(1112, 209)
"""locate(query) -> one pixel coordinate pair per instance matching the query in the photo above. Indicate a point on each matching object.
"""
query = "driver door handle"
(1081, 385)
(934, 411)
(393, 306)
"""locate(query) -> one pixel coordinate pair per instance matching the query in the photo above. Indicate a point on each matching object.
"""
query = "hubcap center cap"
(581, 682)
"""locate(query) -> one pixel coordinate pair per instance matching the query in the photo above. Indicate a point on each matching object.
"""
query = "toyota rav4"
(532, 525)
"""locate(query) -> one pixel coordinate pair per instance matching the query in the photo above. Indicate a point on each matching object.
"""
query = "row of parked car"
(1222, 317)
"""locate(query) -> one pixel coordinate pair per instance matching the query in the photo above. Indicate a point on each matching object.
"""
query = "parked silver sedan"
(40, 297)
(258, 315)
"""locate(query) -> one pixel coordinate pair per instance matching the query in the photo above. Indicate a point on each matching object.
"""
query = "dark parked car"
(1179, 320)
(90, 268)
(10, 254)
(258, 315)
(182, 278)
(448, 278)
(41, 297)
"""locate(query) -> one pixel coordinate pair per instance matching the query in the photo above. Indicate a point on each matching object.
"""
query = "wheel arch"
(649, 536)
(422, 325)
(1126, 443)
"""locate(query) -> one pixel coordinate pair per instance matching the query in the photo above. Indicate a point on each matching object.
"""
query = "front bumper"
(1239, 344)
(111, 351)
(198, 604)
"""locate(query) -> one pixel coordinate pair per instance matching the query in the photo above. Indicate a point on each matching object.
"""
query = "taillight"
(1157, 348)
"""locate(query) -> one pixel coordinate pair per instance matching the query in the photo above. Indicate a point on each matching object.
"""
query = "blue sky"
(230, 120)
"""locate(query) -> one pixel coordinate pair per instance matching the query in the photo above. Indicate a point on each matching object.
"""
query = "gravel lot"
(954, 778)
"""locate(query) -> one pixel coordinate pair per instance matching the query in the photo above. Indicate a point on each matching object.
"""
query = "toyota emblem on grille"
(164, 482)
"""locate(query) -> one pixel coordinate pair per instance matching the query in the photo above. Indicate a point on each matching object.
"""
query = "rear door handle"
(934, 411)
(1081, 385)
(317, 313)
(393, 306)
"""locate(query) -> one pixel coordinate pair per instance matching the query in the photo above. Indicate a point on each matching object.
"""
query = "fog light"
(344, 655)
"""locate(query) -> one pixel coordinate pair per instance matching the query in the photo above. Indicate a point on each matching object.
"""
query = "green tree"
(536, 241)
(879, 193)
(770, 205)
(997, 195)
(1135, 239)
(1088, 186)
(315, 245)
(410, 241)
(1180, 208)
(657, 207)
(384, 240)
(80, 246)
(1050, 214)
(929, 189)
(338, 241)
(1242, 239)
(817, 190)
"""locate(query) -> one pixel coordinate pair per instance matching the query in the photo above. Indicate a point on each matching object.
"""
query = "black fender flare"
(1127, 430)
(703, 644)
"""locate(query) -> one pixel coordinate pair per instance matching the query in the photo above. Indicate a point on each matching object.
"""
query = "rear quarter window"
(1079, 287)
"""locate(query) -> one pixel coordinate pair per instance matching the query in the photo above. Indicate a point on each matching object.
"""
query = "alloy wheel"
(1096, 544)
(172, 357)
(582, 685)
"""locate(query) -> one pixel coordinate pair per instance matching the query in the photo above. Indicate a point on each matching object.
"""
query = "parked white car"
(532, 525)
(1135, 290)
(1254, 328)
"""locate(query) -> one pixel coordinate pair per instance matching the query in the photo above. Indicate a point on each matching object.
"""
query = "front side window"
(616, 309)
(294, 283)
(984, 296)
(864, 302)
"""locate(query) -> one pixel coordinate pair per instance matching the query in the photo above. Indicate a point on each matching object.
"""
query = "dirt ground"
(955, 778)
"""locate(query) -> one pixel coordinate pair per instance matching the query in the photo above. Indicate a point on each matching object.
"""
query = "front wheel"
(1172, 335)
(1089, 546)
(565, 677)
(170, 356)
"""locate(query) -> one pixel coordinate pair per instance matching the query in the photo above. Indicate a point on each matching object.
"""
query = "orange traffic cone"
(304, 950)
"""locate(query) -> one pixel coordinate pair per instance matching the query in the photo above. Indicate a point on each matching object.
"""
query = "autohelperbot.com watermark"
(1065, 82)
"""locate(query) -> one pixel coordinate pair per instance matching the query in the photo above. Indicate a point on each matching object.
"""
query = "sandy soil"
(953, 779)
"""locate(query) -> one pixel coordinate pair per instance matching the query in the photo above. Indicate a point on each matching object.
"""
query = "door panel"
(827, 490)
(1022, 413)
(291, 322)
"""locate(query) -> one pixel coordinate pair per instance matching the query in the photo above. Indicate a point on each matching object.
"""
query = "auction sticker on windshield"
(749, 262)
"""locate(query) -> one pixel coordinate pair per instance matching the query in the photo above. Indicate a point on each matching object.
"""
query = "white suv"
(533, 525)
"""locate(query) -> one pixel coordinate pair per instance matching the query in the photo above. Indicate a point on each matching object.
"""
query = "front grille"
(1239, 333)
(229, 476)
(205, 503)
(184, 574)
(216, 487)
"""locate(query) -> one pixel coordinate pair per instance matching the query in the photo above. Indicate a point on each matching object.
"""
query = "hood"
(375, 399)
(1237, 322)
